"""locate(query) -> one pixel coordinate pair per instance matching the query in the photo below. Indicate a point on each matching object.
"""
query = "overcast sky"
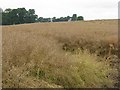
(89, 9)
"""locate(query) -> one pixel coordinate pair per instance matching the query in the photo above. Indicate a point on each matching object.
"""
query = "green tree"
(74, 17)
(80, 18)
(14, 17)
(40, 19)
(8, 10)
(54, 19)
(68, 17)
(1, 16)
(21, 14)
(6, 19)
(31, 17)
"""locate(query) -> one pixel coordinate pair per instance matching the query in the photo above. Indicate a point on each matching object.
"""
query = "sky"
(89, 9)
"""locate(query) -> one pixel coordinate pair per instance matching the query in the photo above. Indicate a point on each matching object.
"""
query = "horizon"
(90, 10)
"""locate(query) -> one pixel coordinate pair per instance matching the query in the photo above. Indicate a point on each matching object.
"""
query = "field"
(61, 55)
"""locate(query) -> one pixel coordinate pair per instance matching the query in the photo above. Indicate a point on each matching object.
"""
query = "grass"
(60, 55)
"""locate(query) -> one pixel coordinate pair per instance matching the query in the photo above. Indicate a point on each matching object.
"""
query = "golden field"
(60, 55)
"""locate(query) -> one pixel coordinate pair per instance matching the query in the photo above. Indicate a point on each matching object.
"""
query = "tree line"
(21, 16)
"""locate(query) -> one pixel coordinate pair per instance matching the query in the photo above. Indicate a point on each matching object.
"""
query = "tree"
(14, 17)
(68, 17)
(8, 10)
(31, 17)
(18, 16)
(21, 14)
(61, 19)
(54, 19)
(1, 11)
(80, 18)
(6, 17)
(74, 17)
(40, 19)
(31, 12)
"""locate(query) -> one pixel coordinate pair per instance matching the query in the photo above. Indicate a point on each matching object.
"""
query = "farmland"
(60, 55)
